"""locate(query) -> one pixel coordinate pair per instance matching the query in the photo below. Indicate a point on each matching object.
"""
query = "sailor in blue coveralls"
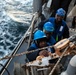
(61, 29)
(48, 29)
(40, 41)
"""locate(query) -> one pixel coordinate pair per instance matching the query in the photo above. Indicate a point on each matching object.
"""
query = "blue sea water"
(12, 31)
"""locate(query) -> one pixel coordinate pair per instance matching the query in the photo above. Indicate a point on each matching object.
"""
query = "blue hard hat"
(61, 12)
(48, 26)
(39, 35)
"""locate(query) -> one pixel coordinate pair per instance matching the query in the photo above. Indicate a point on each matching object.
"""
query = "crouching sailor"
(40, 41)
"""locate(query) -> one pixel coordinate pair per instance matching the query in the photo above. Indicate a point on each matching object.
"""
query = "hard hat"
(48, 26)
(39, 35)
(61, 12)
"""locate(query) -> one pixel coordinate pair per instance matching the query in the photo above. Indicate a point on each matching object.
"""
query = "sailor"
(48, 29)
(39, 42)
(61, 29)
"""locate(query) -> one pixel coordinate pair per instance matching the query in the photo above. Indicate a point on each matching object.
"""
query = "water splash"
(11, 31)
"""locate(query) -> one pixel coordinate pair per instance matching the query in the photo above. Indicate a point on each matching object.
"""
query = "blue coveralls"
(32, 56)
(61, 30)
(51, 41)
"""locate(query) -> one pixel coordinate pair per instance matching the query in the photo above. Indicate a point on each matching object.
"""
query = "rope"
(26, 52)
(5, 69)
(58, 61)
(35, 18)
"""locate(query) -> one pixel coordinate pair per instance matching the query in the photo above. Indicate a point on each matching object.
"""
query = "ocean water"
(11, 31)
